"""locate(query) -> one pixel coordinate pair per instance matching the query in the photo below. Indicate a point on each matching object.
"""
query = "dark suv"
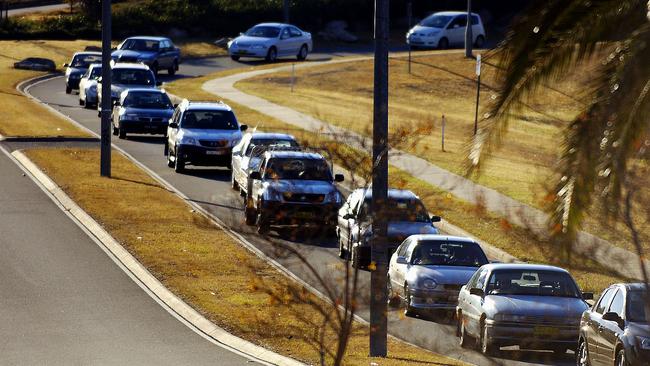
(616, 331)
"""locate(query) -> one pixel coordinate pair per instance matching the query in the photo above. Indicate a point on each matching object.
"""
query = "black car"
(145, 111)
(616, 331)
(78, 66)
(159, 53)
(36, 63)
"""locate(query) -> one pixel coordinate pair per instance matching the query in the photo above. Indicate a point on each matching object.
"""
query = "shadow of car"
(36, 63)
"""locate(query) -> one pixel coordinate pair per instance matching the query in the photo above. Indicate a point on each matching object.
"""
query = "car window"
(459, 21)
(480, 280)
(448, 253)
(401, 251)
(263, 32)
(84, 61)
(95, 72)
(472, 281)
(435, 21)
(617, 303)
(147, 100)
(285, 33)
(133, 77)
(638, 307)
(298, 169)
(604, 301)
(532, 282)
(356, 205)
(141, 45)
(209, 120)
(474, 20)
(282, 142)
(295, 32)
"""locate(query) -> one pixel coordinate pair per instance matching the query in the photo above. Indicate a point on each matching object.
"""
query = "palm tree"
(611, 134)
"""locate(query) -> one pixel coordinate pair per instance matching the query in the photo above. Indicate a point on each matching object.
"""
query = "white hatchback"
(445, 29)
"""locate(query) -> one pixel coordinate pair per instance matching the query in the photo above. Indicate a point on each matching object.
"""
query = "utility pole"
(469, 37)
(378, 275)
(478, 92)
(285, 10)
(409, 15)
(107, 102)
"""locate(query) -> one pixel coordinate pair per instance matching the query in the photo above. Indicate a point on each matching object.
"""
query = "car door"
(594, 323)
(609, 330)
(297, 39)
(237, 156)
(171, 131)
(456, 30)
(346, 218)
(474, 305)
(398, 270)
(285, 42)
(163, 55)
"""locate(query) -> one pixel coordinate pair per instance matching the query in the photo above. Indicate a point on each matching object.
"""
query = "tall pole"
(285, 10)
(469, 37)
(378, 293)
(409, 15)
(107, 103)
(478, 92)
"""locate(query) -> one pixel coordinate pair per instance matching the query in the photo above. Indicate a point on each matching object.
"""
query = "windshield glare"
(133, 77)
(147, 100)
(263, 32)
(268, 142)
(298, 169)
(531, 282)
(141, 45)
(448, 254)
(209, 120)
(638, 307)
(436, 21)
(405, 210)
(83, 61)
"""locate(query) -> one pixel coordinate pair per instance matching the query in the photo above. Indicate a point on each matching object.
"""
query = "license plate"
(214, 152)
(546, 331)
(304, 215)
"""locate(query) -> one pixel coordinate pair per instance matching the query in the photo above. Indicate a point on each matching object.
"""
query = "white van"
(445, 29)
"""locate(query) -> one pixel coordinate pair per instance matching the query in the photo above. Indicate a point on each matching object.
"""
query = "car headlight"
(428, 284)
(333, 197)
(509, 318)
(644, 342)
(188, 141)
(258, 47)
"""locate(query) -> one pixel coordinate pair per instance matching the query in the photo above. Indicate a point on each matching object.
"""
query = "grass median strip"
(198, 261)
(486, 226)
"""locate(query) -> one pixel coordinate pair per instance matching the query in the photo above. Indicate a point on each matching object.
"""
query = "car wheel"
(393, 299)
(343, 253)
(302, 54)
(582, 356)
(408, 309)
(179, 164)
(87, 105)
(272, 55)
(234, 58)
(620, 358)
(81, 102)
(443, 44)
(121, 133)
(480, 41)
(172, 70)
(261, 222)
(249, 215)
(115, 130)
(170, 163)
(233, 182)
(487, 348)
(463, 337)
(68, 90)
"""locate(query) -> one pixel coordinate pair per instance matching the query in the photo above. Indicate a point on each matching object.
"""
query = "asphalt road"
(211, 189)
(64, 301)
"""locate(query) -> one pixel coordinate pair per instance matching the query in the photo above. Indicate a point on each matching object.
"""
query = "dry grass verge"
(486, 226)
(196, 260)
(21, 116)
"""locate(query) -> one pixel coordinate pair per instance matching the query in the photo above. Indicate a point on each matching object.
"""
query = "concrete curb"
(187, 313)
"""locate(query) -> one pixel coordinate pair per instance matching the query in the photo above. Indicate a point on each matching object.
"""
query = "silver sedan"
(525, 305)
(270, 41)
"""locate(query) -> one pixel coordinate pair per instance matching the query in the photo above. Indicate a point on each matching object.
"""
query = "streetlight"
(107, 102)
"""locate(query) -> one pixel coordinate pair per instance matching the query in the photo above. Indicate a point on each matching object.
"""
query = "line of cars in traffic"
(285, 187)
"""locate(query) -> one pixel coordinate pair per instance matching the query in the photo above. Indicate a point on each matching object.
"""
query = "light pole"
(378, 290)
(285, 10)
(469, 37)
(107, 103)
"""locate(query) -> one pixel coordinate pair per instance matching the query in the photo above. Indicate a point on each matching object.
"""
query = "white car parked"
(444, 29)
(270, 41)
(88, 86)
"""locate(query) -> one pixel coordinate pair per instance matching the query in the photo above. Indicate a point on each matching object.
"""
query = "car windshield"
(147, 100)
(141, 45)
(406, 210)
(270, 142)
(95, 72)
(209, 120)
(531, 282)
(83, 61)
(638, 307)
(299, 169)
(447, 253)
(133, 77)
(263, 31)
(436, 21)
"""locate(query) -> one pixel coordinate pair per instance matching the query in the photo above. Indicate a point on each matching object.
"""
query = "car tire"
(463, 337)
(81, 102)
(479, 42)
(443, 44)
(115, 130)
(393, 299)
(68, 90)
(179, 164)
(88, 105)
(343, 253)
(170, 163)
(487, 348)
(620, 358)
(121, 133)
(250, 215)
(408, 309)
(261, 222)
(233, 182)
(272, 55)
(302, 54)
(172, 70)
(582, 354)
(234, 58)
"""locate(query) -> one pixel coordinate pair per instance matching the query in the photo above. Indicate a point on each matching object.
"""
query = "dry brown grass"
(21, 116)
(196, 260)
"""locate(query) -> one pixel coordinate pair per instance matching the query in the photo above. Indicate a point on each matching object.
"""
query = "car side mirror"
(243, 128)
(401, 260)
(477, 291)
(587, 295)
(66, 65)
(348, 216)
(256, 175)
(175, 105)
(613, 317)
(339, 178)
(173, 124)
(436, 218)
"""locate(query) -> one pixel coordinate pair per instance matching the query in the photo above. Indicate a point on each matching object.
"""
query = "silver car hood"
(246, 40)
(546, 306)
(449, 275)
(301, 186)
(230, 135)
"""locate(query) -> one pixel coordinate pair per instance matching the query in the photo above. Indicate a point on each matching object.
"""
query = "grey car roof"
(293, 154)
(84, 53)
(403, 194)
(452, 13)
(149, 38)
(127, 65)
(271, 24)
(271, 136)
(524, 266)
(637, 286)
(148, 90)
(438, 237)
(188, 105)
